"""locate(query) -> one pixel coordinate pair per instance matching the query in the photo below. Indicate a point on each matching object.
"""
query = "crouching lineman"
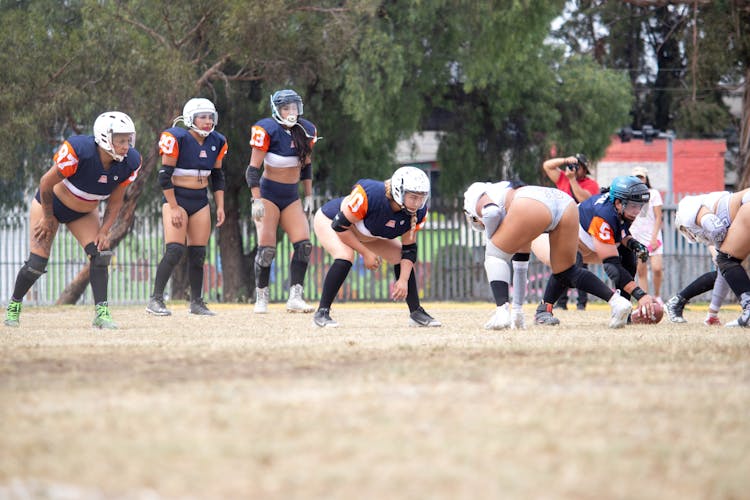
(513, 216)
(724, 219)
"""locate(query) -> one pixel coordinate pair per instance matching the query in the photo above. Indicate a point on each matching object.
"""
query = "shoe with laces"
(621, 309)
(744, 319)
(323, 318)
(157, 308)
(674, 307)
(13, 314)
(712, 320)
(261, 301)
(296, 303)
(517, 320)
(419, 317)
(543, 316)
(198, 307)
(500, 319)
(103, 318)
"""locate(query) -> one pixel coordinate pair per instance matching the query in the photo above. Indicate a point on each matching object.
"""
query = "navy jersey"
(193, 158)
(599, 218)
(78, 161)
(373, 211)
(276, 140)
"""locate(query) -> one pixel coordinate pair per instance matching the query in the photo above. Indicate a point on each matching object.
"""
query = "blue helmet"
(282, 98)
(628, 188)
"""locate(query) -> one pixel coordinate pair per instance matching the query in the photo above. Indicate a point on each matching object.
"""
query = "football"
(640, 315)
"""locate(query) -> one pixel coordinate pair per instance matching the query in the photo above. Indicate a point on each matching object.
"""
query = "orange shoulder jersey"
(78, 161)
(372, 208)
(270, 136)
(193, 159)
(600, 219)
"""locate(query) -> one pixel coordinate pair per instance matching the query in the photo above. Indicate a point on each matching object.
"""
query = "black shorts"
(192, 200)
(61, 212)
(280, 194)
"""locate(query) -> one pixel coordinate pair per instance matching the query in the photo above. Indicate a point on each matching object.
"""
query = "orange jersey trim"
(602, 231)
(168, 145)
(66, 160)
(357, 202)
(259, 138)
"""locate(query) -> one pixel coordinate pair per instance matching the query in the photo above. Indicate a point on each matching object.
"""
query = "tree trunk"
(233, 261)
(122, 226)
(744, 155)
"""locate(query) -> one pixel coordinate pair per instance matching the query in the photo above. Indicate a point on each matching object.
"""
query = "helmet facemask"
(410, 180)
(196, 107)
(287, 101)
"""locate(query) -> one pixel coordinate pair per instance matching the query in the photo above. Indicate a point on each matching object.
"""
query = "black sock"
(699, 285)
(335, 277)
(412, 293)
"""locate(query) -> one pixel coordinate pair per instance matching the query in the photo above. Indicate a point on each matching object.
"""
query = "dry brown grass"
(244, 406)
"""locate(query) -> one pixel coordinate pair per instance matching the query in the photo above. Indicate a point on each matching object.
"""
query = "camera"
(572, 166)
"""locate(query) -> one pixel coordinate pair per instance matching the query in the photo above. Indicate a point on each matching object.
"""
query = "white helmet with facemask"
(107, 125)
(409, 180)
(198, 106)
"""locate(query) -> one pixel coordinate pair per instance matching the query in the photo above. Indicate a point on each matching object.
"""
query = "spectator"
(571, 175)
(646, 228)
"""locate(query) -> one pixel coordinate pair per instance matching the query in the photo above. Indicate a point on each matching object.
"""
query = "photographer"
(571, 175)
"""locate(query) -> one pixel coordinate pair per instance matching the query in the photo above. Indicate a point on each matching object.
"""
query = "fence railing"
(450, 264)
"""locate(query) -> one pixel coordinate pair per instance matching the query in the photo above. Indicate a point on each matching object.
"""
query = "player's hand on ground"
(399, 290)
(646, 302)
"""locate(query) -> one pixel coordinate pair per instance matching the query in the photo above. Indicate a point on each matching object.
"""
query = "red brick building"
(697, 164)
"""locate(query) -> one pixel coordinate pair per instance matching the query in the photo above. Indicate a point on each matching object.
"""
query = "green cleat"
(12, 314)
(103, 318)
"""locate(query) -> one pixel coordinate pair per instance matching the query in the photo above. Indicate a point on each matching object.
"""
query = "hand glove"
(307, 204)
(714, 228)
(638, 248)
(258, 209)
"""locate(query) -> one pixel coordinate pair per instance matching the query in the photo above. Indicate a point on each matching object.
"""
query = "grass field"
(244, 406)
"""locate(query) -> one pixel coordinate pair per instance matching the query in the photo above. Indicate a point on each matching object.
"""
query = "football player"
(189, 158)
(282, 145)
(370, 221)
(85, 171)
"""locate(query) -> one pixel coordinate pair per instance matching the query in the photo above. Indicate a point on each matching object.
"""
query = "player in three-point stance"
(512, 217)
(370, 221)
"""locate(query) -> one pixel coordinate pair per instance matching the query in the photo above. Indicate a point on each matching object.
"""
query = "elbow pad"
(306, 172)
(409, 252)
(218, 181)
(340, 223)
(252, 176)
(714, 227)
(165, 177)
(492, 217)
(618, 274)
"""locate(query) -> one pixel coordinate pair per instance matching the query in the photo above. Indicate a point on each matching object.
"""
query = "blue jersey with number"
(599, 218)
(193, 158)
(373, 211)
(276, 140)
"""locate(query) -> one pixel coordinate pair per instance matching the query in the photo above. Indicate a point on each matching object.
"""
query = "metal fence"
(450, 264)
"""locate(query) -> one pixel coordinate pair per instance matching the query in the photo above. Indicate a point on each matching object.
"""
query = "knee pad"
(569, 277)
(196, 255)
(302, 251)
(174, 252)
(726, 262)
(98, 258)
(490, 250)
(497, 269)
(35, 266)
(264, 256)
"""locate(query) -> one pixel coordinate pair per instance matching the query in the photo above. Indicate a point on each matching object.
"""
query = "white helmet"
(196, 106)
(409, 180)
(110, 123)
(471, 198)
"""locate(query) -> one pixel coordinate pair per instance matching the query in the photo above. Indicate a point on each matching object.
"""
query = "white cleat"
(296, 304)
(500, 320)
(517, 320)
(621, 308)
(261, 301)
